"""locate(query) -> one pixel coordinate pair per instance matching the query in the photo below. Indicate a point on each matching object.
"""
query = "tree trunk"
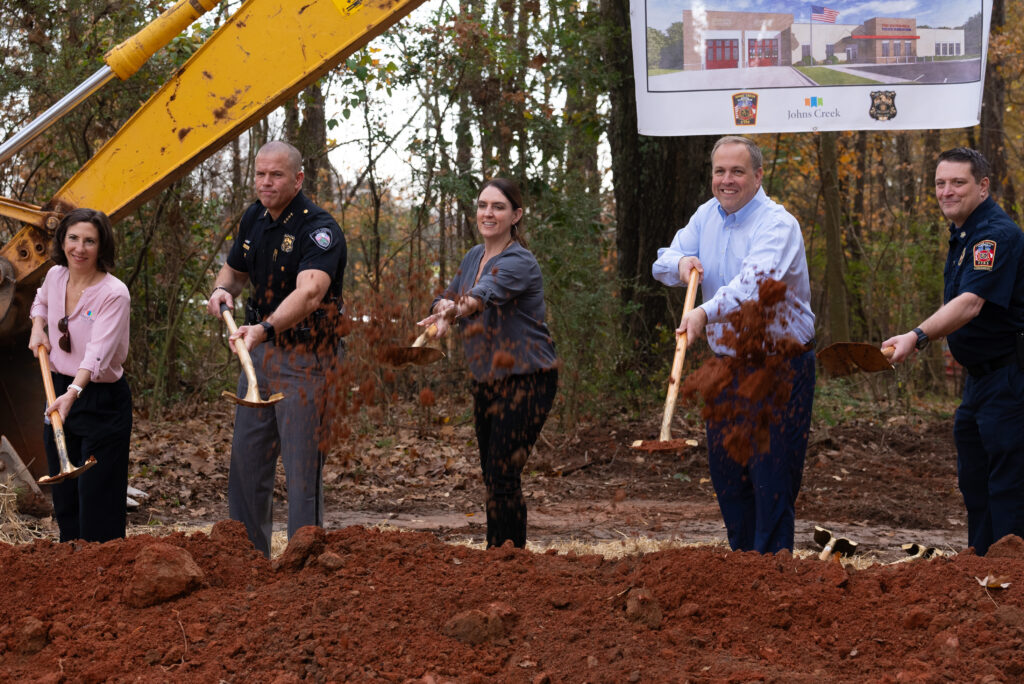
(993, 135)
(658, 184)
(838, 320)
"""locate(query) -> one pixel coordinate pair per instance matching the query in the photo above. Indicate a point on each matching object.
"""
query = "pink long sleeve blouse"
(98, 326)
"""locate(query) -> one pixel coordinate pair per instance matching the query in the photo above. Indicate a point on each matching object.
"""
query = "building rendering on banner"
(739, 40)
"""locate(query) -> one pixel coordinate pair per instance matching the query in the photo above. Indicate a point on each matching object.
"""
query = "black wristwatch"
(268, 328)
(922, 339)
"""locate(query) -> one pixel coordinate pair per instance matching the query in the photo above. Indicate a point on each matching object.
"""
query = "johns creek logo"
(816, 107)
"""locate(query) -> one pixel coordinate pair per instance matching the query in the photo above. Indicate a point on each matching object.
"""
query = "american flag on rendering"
(823, 14)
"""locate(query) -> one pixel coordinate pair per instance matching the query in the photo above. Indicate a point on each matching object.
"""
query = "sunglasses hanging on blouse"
(65, 336)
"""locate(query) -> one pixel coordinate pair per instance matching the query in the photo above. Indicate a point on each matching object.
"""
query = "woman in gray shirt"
(497, 299)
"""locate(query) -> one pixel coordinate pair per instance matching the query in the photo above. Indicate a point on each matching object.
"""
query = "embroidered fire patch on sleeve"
(984, 255)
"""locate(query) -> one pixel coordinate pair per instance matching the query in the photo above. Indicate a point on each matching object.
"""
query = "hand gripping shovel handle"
(252, 394)
(240, 349)
(677, 362)
(66, 469)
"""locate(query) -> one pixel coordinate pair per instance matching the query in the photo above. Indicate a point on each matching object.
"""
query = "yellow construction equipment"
(265, 53)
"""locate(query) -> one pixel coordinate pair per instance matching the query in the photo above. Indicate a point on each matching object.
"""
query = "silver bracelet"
(78, 390)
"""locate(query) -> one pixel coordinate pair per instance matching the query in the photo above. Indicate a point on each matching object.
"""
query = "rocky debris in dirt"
(1010, 546)
(306, 543)
(642, 607)
(406, 607)
(161, 572)
(477, 626)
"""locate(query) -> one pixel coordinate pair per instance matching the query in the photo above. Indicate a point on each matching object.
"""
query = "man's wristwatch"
(268, 328)
(922, 339)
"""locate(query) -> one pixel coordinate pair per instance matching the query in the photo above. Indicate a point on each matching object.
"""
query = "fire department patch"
(322, 237)
(287, 243)
(985, 255)
(883, 105)
(744, 108)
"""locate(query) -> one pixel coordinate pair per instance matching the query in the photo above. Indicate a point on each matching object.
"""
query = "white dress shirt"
(761, 240)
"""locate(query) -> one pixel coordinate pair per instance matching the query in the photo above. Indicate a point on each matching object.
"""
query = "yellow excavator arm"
(264, 54)
(267, 52)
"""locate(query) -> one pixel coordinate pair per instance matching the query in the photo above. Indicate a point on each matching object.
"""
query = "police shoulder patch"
(322, 237)
(985, 255)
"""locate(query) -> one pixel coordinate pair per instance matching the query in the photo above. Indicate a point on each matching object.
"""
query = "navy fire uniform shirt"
(986, 258)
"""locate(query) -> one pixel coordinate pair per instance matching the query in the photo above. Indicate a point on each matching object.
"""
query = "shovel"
(66, 469)
(832, 544)
(419, 354)
(665, 441)
(252, 393)
(846, 358)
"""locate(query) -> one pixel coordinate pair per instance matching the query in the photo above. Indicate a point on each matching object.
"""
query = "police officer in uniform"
(293, 255)
(983, 320)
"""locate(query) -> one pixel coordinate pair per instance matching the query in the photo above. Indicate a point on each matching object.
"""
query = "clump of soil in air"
(749, 389)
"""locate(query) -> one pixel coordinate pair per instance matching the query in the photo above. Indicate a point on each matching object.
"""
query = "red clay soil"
(359, 605)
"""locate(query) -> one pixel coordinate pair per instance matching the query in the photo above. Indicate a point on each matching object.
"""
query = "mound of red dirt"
(366, 605)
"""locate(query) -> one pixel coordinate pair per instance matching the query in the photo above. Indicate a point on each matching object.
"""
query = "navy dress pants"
(989, 435)
(758, 499)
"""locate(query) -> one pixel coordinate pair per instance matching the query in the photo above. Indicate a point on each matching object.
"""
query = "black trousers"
(92, 506)
(509, 414)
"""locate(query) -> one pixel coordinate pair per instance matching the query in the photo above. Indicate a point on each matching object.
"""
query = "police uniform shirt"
(986, 258)
(274, 252)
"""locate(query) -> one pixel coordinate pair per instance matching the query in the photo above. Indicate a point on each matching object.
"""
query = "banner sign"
(710, 67)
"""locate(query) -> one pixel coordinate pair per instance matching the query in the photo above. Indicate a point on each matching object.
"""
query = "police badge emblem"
(322, 238)
(744, 108)
(883, 105)
(287, 243)
(985, 255)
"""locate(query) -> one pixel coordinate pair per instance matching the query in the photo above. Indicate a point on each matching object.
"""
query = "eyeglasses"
(65, 337)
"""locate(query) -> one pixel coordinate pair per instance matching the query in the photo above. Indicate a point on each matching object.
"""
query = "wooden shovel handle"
(677, 362)
(55, 421)
(426, 336)
(240, 349)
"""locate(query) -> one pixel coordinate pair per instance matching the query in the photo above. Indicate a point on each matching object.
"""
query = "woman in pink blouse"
(80, 314)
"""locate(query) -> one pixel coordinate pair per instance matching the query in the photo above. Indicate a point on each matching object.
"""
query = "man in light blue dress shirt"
(735, 241)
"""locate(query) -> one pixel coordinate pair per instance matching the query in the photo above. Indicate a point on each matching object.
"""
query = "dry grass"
(13, 528)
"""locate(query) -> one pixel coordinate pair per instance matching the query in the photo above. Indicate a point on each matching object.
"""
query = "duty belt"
(305, 332)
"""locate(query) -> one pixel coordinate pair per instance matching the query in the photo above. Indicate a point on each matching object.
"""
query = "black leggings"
(509, 414)
(92, 506)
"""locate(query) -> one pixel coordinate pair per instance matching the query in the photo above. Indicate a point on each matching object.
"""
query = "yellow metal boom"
(267, 52)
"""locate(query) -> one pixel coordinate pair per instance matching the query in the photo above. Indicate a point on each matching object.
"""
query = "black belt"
(981, 369)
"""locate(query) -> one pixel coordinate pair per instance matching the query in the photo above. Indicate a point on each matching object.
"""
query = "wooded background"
(540, 91)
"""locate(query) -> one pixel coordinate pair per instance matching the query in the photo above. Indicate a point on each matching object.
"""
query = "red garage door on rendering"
(722, 54)
(763, 52)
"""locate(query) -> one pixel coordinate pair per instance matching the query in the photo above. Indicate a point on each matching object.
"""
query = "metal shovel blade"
(67, 474)
(846, 358)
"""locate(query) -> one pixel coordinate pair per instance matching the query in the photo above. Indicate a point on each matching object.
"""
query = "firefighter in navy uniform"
(293, 254)
(983, 319)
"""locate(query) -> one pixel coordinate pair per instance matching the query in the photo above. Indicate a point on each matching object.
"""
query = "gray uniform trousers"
(290, 428)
